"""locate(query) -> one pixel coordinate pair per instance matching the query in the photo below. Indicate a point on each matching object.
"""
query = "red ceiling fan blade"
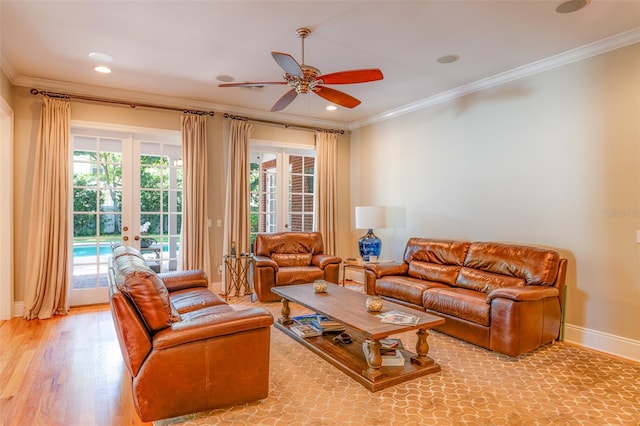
(352, 76)
(288, 64)
(337, 97)
(252, 84)
(285, 100)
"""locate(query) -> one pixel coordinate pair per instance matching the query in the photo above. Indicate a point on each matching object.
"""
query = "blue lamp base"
(369, 245)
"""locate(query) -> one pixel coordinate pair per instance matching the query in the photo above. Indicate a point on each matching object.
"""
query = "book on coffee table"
(305, 330)
(393, 359)
(326, 324)
(319, 322)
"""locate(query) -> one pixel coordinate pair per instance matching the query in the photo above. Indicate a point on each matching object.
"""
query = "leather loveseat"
(185, 349)
(503, 297)
(286, 258)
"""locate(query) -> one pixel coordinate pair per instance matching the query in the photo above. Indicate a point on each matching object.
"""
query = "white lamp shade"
(370, 217)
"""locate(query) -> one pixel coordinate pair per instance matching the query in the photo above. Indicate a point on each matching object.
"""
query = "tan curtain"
(237, 211)
(47, 274)
(326, 172)
(194, 244)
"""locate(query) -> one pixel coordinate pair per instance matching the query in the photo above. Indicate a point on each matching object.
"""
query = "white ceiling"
(177, 49)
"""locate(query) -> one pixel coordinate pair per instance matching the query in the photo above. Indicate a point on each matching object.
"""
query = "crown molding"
(583, 52)
(174, 102)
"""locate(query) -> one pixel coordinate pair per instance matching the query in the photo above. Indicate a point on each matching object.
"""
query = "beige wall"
(27, 113)
(550, 160)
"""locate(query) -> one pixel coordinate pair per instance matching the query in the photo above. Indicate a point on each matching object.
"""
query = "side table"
(358, 265)
(237, 274)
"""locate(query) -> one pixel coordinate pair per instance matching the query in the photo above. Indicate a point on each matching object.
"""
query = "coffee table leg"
(371, 349)
(422, 349)
(285, 311)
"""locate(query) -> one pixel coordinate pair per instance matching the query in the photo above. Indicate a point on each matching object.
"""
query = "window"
(282, 190)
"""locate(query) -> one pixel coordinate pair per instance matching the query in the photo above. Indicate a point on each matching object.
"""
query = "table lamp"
(369, 217)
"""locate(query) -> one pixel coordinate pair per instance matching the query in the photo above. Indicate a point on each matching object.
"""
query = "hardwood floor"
(64, 371)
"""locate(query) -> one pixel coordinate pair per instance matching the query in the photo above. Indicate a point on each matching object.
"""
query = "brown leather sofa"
(286, 258)
(184, 347)
(503, 297)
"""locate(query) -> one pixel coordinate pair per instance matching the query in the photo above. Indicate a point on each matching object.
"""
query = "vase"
(320, 286)
(374, 304)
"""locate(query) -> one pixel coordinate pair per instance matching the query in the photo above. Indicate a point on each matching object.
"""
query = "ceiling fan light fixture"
(572, 6)
(303, 79)
(331, 108)
(102, 69)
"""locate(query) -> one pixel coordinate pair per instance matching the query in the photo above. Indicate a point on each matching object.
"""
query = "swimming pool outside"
(104, 249)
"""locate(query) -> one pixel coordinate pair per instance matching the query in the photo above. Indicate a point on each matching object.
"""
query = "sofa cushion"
(292, 259)
(288, 242)
(404, 288)
(299, 275)
(485, 282)
(207, 312)
(125, 251)
(458, 302)
(433, 272)
(445, 252)
(150, 297)
(192, 299)
(535, 265)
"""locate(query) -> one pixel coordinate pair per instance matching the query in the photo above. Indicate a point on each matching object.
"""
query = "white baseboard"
(603, 342)
(18, 309)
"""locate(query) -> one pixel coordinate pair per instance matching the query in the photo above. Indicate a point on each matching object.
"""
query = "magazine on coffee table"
(399, 317)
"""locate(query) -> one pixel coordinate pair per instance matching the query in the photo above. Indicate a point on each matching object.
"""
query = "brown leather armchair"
(185, 349)
(286, 258)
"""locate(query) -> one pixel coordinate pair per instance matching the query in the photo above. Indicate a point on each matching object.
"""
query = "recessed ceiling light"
(101, 57)
(331, 108)
(572, 6)
(224, 78)
(447, 59)
(102, 69)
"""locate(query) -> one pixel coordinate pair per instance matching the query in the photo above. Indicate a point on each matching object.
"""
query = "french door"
(282, 190)
(127, 190)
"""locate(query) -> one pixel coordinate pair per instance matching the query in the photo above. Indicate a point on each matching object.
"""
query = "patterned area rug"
(557, 384)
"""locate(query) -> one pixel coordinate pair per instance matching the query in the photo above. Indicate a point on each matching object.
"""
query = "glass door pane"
(282, 191)
(97, 208)
(263, 181)
(160, 204)
(301, 193)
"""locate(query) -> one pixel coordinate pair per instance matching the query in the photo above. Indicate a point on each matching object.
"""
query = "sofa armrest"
(324, 260)
(524, 294)
(264, 261)
(180, 280)
(382, 269)
(212, 326)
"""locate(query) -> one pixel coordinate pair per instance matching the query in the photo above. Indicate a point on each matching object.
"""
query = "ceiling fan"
(305, 78)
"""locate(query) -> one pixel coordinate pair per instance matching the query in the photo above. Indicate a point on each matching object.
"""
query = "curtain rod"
(286, 125)
(114, 101)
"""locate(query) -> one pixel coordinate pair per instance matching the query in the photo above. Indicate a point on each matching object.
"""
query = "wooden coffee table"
(360, 359)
